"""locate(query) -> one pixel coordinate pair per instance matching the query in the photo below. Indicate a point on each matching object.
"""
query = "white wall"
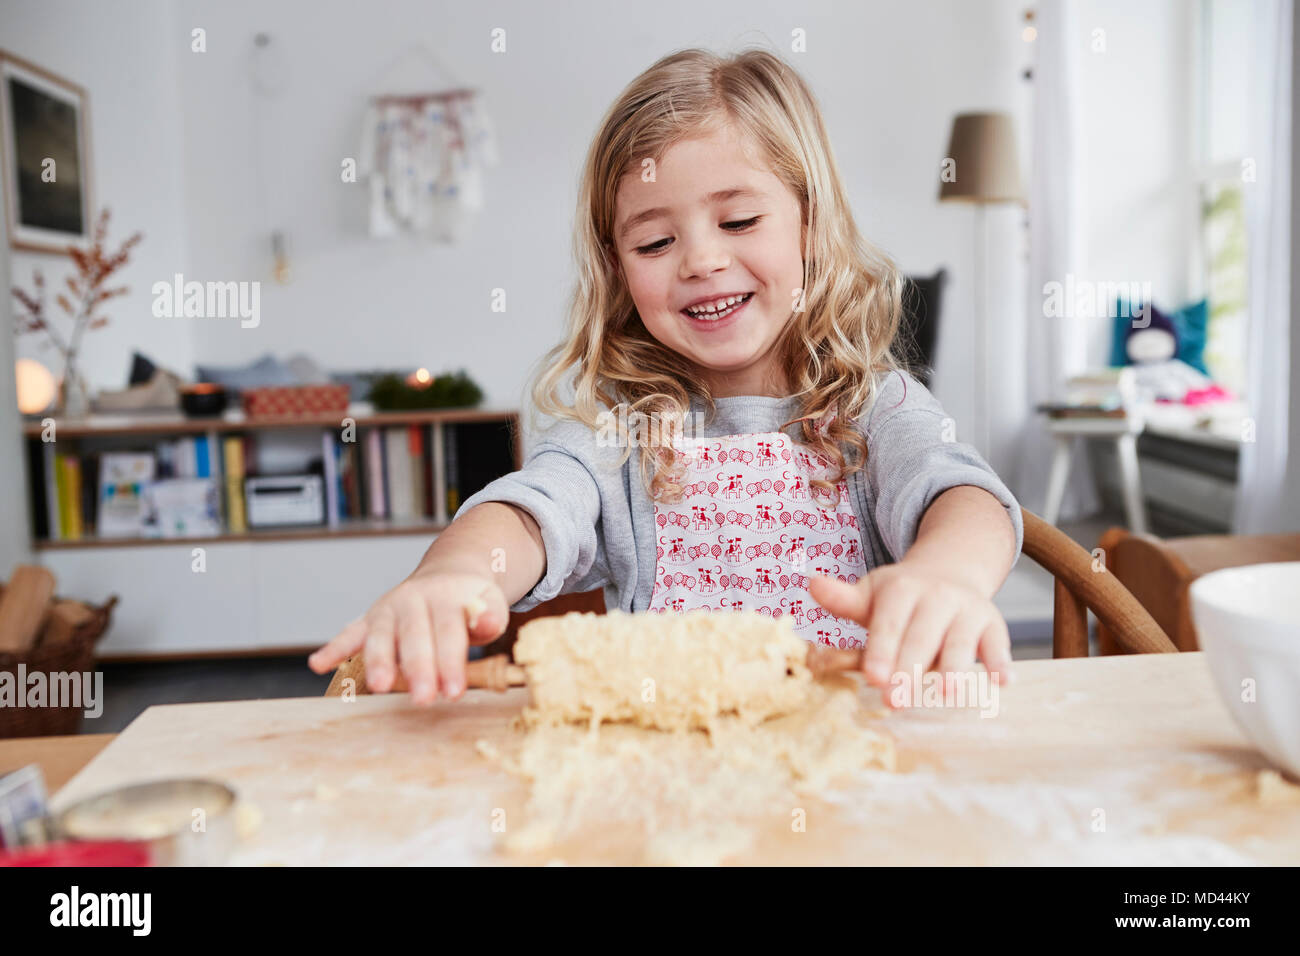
(15, 529)
(1290, 517)
(176, 152)
(123, 54)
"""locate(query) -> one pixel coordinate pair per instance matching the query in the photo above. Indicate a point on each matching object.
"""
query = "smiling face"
(711, 252)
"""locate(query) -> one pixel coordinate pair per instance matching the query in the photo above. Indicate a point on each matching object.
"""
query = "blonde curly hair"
(831, 349)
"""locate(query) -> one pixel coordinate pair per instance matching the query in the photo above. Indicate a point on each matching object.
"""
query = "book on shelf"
(438, 465)
(123, 478)
(236, 520)
(397, 470)
(376, 501)
(182, 508)
(452, 460)
(68, 488)
(329, 458)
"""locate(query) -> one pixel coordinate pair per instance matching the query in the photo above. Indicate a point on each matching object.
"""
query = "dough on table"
(735, 731)
(669, 672)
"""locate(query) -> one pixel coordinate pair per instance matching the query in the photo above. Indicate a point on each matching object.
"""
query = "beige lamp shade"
(984, 167)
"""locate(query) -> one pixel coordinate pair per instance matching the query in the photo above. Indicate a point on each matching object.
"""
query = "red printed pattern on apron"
(748, 534)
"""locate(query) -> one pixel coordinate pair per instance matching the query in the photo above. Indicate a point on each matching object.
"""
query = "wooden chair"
(1084, 584)
(1158, 573)
(1081, 585)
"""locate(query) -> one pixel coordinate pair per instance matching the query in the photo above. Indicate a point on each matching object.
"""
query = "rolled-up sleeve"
(913, 457)
(558, 490)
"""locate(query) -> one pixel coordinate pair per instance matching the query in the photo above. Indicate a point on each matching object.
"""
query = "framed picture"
(46, 156)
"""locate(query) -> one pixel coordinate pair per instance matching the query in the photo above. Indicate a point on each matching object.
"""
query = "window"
(1223, 63)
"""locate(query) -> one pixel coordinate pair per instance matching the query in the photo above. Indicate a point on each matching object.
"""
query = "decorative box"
(295, 401)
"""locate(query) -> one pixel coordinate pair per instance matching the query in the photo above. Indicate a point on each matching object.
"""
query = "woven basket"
(75, 655)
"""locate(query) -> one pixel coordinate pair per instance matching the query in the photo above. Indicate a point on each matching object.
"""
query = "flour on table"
(1274, 789)
(675, 734)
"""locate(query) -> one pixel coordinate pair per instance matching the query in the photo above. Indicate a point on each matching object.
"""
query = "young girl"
(723, 282)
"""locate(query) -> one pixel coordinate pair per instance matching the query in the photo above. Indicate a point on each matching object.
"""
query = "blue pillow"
(1193, 322)
(268, 370)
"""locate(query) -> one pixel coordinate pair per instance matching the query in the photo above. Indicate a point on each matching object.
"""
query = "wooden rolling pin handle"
(833, 660)
(493, 673)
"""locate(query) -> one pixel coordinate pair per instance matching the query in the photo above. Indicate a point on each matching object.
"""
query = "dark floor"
(131, 687)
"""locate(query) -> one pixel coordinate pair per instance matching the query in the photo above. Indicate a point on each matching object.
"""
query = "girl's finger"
(486, 616)
(451, 640)
(959, 648)
(995, 649)
(924, 637)
(850, 601)
(886, 624)
(339, 648)
(380, 651)
(415, 649)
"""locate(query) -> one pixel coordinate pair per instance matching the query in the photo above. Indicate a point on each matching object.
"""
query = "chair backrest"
(1084, 584)
(919, 329)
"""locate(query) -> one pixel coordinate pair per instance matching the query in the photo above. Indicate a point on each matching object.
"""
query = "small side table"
(1123, 431)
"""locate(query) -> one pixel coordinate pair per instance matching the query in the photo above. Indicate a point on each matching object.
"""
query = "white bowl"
(1248, 623)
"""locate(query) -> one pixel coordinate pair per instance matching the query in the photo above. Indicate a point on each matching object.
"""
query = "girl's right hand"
(424, 626)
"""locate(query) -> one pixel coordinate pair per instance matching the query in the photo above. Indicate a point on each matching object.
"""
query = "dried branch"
(92, 267)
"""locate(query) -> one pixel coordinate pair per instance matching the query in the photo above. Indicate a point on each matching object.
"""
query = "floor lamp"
(981, 167)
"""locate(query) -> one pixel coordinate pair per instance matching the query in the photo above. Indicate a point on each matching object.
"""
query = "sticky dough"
(736, 731)
(667, 672)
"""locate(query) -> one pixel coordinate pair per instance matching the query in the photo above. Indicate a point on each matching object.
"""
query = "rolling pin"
(497, 673)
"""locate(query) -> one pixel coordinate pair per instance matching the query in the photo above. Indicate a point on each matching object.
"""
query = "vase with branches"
(86, 291)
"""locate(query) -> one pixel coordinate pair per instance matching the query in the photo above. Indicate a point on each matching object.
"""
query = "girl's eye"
(734, 226)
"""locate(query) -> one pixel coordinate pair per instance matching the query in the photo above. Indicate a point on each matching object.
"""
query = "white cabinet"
(303, 592)
(251, 596)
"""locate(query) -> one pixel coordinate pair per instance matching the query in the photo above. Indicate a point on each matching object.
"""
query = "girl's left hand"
(918, 617)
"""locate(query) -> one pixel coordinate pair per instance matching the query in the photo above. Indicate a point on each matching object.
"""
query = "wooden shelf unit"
(156, 426)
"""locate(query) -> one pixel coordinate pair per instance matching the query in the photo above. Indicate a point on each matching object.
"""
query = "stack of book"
(1108, 393)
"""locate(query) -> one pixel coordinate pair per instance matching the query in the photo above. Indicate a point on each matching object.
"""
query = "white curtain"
(1262, 504)
(1054, 348)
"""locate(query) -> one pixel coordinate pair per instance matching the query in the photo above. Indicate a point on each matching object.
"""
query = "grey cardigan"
(597, 520)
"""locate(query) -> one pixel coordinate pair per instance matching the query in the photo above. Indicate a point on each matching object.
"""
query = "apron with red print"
(748, 534)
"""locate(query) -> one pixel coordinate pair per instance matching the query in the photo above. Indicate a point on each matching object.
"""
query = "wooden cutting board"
(1112, 760)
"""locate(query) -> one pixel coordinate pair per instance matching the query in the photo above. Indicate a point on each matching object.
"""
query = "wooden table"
(58, 757)
(1109, 760)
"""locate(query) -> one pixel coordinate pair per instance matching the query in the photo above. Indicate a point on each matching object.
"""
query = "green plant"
(448, 390)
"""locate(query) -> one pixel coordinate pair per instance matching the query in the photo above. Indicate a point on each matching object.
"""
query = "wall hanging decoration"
(424, 153)
(46, 157)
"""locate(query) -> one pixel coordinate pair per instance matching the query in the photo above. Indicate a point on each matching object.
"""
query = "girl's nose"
(703, 258)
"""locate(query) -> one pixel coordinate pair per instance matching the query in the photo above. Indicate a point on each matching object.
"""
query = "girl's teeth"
(717, 309)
